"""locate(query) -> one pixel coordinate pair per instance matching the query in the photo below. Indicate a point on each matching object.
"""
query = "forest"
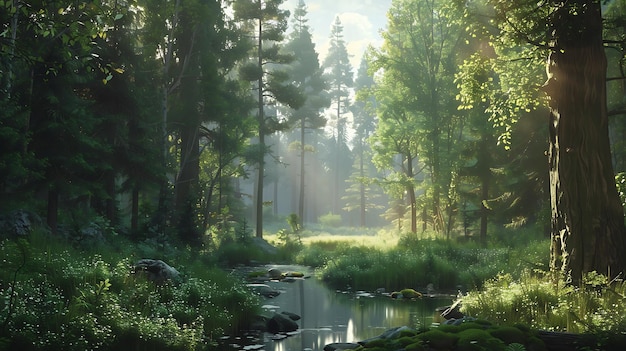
(485, 134)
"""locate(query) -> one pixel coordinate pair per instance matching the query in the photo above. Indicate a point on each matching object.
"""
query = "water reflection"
(337, 317)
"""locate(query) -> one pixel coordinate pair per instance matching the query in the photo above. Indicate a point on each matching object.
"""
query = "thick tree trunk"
(588, 232)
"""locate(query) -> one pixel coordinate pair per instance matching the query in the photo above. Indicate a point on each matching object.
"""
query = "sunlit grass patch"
(537, 301)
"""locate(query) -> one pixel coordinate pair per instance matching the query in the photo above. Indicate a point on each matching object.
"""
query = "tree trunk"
(261, 120)
(362, 185)
(587, 226)
(134, 213)
(302, 152)
(52, 218)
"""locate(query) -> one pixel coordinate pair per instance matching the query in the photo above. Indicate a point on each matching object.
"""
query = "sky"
(362, 22)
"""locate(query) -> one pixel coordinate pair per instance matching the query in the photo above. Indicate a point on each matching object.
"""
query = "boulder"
(406, 294)
(18, 223)
(389, 334)
(281, 323)
(452, 312)
(274, 273)
(156, 271)
(291, 315)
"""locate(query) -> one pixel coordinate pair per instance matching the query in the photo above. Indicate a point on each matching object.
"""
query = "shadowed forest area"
(478, 151)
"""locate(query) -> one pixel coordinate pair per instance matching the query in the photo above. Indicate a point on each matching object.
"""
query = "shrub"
(330, 220)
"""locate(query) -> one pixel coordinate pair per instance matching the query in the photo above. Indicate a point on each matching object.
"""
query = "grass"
(537, 301)
(61, 298)
(506, 282)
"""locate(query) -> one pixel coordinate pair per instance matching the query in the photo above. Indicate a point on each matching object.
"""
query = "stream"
(330, 316)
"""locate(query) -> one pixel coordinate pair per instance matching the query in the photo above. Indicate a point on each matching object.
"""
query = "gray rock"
(291, 315)
(156, 271)
(280, 323)
(18, 223)
(337, 346)
(274, 273)
(389, 334)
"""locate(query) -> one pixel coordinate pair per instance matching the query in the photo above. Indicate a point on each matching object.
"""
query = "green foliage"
(535, 300)
(294, 222)
(67, 300)
(330, 220)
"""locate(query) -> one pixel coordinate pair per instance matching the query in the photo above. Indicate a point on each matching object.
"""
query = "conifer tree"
(340, 78)
(267, 23)
(308, 76)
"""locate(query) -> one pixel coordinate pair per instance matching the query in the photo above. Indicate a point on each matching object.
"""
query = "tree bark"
(587, 226)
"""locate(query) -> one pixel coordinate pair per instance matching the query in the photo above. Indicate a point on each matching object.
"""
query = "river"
(330, 316)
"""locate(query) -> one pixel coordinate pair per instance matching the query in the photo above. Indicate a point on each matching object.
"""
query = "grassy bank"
(61, 298)
(505, 282)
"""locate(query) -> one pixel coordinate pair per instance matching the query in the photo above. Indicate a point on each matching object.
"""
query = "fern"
(515, 347)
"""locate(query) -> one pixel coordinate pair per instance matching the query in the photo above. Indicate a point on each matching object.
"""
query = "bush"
(330, 220)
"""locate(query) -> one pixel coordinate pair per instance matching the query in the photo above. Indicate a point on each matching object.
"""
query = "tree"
(395, 143)
(339, 75)
(308, 76)
(418, 60)
(363, 111)
(587, 225)
(268, 21)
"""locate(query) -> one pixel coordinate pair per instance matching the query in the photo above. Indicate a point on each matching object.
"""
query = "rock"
(337, 346)
(18, 223)
(294, 275)
(264, 246)
(389, 334)
(280, 323)
(452, 312)
(274, 273)
(292, 316)
(406, 294)
(264, 290)
(156, 271)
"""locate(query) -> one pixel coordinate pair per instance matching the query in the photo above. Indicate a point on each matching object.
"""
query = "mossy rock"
(375, 343)
(509, 335)
(416, 346)
(535, 344)
(478, 339)
(436, 339)
(402, 342)
(410, 294)
(376, 348)
(294, 274)
(407, 333)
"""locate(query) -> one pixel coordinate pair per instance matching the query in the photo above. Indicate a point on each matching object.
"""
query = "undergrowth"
(60, 298)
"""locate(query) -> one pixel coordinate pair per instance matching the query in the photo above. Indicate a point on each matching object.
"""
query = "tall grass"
(391, 261)
(537, 301)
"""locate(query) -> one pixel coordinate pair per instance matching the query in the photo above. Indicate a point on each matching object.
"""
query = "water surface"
(330, 316)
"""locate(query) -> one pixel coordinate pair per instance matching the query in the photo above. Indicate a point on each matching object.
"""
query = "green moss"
(509, 335)
(375, 343)
(437, 339)
(417, 346)
(477, 339)
(535, 344)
